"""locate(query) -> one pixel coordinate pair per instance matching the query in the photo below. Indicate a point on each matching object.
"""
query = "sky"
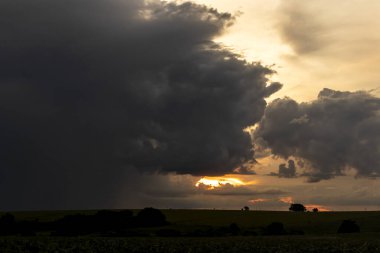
(203, 104)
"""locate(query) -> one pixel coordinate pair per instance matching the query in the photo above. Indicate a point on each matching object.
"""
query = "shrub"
(7, 224)
(151, 217)
(349, 226)
(234, 229)
(275, 228)
(168, 233)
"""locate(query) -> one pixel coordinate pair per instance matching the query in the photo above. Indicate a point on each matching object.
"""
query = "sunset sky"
(204, 104)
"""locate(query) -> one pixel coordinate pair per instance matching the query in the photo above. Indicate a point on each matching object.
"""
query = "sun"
(215, 182)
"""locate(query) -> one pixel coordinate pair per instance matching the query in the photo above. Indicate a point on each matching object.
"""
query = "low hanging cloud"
(336, 132)
(286, 171)
(259, 200)
(299, 27)
(92, 89)
(287, 200)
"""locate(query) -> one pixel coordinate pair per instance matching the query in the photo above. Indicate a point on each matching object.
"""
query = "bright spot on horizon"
(214, 182)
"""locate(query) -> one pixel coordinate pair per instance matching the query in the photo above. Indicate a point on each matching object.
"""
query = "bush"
(74, 225)
(275, 228)
(7, 224)
(168, 233)
(234, 229)
(296, 232)
(349, 226)
(150, 217)
(106, 220)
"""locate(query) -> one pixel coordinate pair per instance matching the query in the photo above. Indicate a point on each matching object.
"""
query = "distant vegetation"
(186, 223)
(349, 226)
(153, 230)
(103, 222)
(297, 208)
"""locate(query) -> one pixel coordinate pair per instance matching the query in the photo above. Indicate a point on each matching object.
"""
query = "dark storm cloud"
(338, 131)
(286, 171)
(90, 89)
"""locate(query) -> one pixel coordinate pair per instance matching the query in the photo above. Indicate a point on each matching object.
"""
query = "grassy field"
(281, 244)
(311, 223)
(322, 223)
(319, 228)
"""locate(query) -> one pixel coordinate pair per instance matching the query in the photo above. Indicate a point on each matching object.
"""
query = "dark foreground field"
(305, 232)
(185, 245)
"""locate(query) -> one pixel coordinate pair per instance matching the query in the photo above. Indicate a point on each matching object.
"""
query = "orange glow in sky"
(288, 200)
(320, 208)
(214, 182)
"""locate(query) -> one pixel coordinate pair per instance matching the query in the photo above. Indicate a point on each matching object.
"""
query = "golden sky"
(313, 44)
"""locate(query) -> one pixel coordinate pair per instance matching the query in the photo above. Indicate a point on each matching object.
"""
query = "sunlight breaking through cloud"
(214, 182)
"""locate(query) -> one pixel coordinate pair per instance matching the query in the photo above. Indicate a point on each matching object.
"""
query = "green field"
(193, 245)
(320, 233)
(322, 223)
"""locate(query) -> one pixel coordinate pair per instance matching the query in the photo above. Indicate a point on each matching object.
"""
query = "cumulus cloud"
(286, 171)
(336, 132)
(91, 89)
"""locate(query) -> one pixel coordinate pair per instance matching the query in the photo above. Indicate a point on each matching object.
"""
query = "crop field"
(310, 223)
(321, 223)
(319, 233)
(187, 245)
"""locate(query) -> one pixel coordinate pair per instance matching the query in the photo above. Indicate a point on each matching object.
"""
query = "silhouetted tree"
(275, 228)
(315, 210)
(348, 226)
(245, 208)
(297, 208)
(151, 217)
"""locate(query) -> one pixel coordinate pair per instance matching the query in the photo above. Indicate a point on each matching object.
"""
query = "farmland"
(321, 223)
(319, 233)
(184, 245)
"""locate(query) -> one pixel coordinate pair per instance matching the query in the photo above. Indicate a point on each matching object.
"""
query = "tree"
(315, 210)
(245, 208)
(297, 208)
